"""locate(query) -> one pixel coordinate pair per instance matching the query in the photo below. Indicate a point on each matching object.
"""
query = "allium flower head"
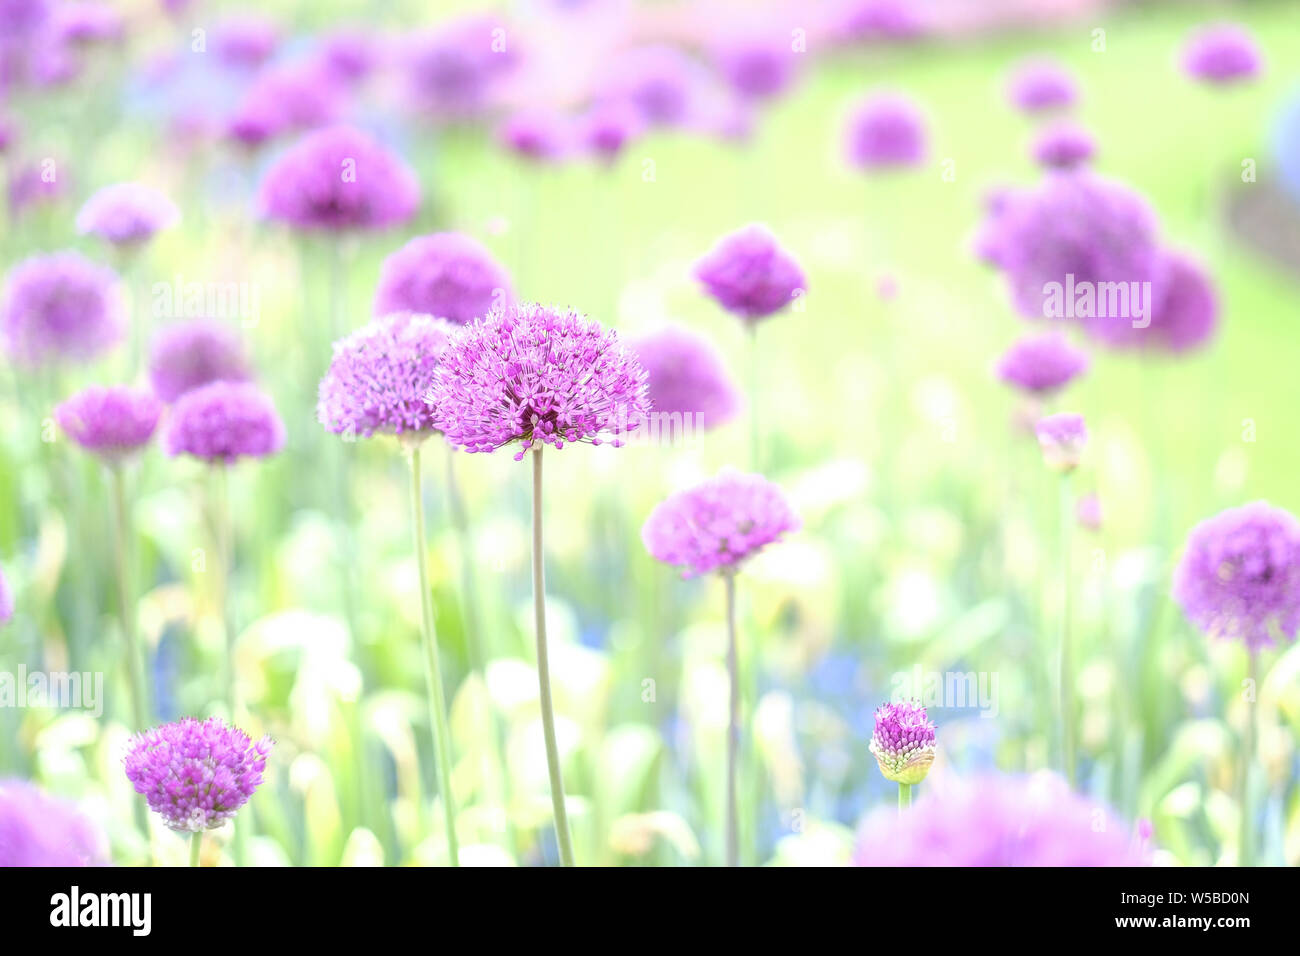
(454, 71)
(997, 820)
(126, 214)
(659, 80)
(1222, 53)
(39, 830)
(879, 21)
(607, 129)
(903, 742)
(337, 179)
(1042, 85)
(112, 421)
(246, 40)
(1063, 145)
(757, 67)
(20, 18)
(294, 96)
(534, 374)
(380, 375)
(196, 774)
(887, 130)
(750, 275)
(187, 354)
(81, 24)
(718, 524)
(686, 377)
(447, 275)
(1042, 364)
(348, 54)
(6, 600)
(1184, 317)
(60, 306)
(537, 135)
(1062, 438)
(224, 421)
(1240, 575)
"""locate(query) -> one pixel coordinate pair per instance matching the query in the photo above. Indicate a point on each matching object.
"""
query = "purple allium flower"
(997, 820)
(1222, 53)
(86, 23)
(1087, 511)
(750, 275)
(987, 244)
(718, 524)
(608, 127)
(379, 376)
(246, 40)
(447, 275)
(187, 355)
(6, 600)
(20, 18)
(1041, 85)
(1240, 575)
(534, 374)
(39, 830)
(660, 81)
(1076, 230)
(339, 178)
(223, 421)
(686, 377)
(903, 742)
(126, 214)
(1063, 145)
(1062, 438)
(757, 67)
(871, 21)
(1041, 364)
(32, 184)
(348, 54)
(537, 135)
(886, 131)
(196, 774)
(60, 306)
(1183, 318)
(453, 71)
(112, 422)
(286, 97)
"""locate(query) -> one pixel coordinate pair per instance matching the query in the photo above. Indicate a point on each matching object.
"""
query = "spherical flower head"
(1064, 145)
(112, 422)
(879, 21)
(126, 214)
(887, 130)
(60, 306)
(998, 820)
(299, 95)
(903, 742)
(686, 378)
(1042, 85)
(1073, 230)
(660, 81)
(82, 24)
(608, 128)
(1042, 364)
(246, 40)
(189, 354)
(6, 600)
(758, 67)
(39, 830)
(719, 524)
(33, 184)
(1062, 438)
(536, 375)
(1221, 54)
(339, 179)
(447, 275)
(224, 421)
(196, 774)
(536, 135)
(1240, 575)
(379, 376)
(455, 70)
(349, 54)
(750, 275)
(1185, 316)
(1087, 512)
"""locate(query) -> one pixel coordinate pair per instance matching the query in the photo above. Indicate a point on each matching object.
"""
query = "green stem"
(195, 841)
(904, 796)
(755, 449)
(544, 671)
(733, 724)
(1246, 850)
(1065, 678)
(219, 508)
(432, 670)
(126, 605)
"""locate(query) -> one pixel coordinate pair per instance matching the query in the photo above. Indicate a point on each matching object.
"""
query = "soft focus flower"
(1062, 438)
(757, 67)
(879, 21)
(196, 774)
(534, 374)
(1222, 53)
(185, 355)
(454, 71)
(607, 128)
(1063, 145)
(20, 18)
(1240, 575)
(903, 742)
(126, 214)
(750, 275)
(998, 820)
(39, 830)
(33, 184)
(348, 54)
(110, 421)
(537, 135)
(1041, 364)
(85, 23)
(887, 130)
(447, 275)
(660, 81)
(718, 524)
(6, 600)
(686, 378)
(339, 178)
(1041, 85)
(245, 40)
(286, 98)
(223, 421)
(1087, 511)
(380, 374)
(987, 244)
(60, 306)
(1183, 318)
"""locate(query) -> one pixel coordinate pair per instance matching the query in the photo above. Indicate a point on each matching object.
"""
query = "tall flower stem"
(1246, 850)
(1065, 677)
(125, 601)
(904, 796)
(733, 723)
(544, 670)
(195, 841)
(432, 670)
(755, 446)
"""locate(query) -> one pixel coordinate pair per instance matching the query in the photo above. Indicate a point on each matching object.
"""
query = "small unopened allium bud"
(1062, 439)
(903, 743)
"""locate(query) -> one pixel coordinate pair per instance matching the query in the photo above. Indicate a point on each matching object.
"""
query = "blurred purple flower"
(1183, 318)
(757, 66)
(718, 524)
(1062, 438)
(187, 355)
(1041, 364)
(607, 128)
(886, 130)
(348, 54)
(903, 742)
(39, 830)
(283, 98)
(112, 422)
(686, 377)
(60, 306)
(447, 275)
(750, 275)
(126, 214)
(245, 40)
(1087, 511)
(537, 135)
(1221, 54)
(1240, 575)
(454, 71)
(1041, 85)
(660, 81)
(224, 421)
(21, 18)
(82, 24)
(1063, 145)
(873, 21)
